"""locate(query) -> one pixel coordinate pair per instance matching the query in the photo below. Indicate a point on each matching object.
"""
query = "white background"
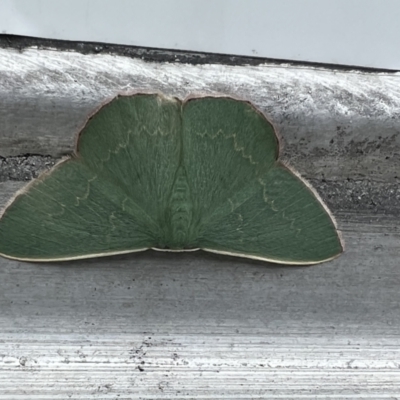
(352, 32)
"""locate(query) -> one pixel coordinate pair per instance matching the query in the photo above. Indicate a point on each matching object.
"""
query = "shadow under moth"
(155, 172)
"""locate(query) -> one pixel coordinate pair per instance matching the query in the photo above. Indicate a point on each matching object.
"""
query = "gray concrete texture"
(195, 325)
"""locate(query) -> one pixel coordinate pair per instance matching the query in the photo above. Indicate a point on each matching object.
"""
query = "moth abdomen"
(180, 211)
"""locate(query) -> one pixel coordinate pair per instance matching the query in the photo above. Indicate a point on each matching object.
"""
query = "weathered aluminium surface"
(197, 325)
(335, 124)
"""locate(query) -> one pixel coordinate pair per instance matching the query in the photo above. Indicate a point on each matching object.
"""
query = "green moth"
(154, 172)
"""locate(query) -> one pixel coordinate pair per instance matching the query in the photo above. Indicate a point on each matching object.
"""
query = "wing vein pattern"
(155, 172)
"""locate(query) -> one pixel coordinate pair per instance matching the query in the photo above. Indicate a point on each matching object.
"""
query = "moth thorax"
(180, 211)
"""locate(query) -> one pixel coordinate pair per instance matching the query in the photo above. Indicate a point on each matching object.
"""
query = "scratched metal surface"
(196, 325)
